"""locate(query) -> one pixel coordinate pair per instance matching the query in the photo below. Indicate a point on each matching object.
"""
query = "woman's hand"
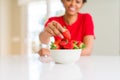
(54, 29)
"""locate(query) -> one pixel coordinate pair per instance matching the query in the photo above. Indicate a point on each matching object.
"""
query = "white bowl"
(65, 55)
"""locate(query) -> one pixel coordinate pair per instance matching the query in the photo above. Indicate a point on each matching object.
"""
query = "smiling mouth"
(72, 9)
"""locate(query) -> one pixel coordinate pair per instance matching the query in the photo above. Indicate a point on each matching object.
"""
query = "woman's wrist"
(42, 45)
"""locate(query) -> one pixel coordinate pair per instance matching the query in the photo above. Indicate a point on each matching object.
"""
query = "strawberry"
(55, 46)
(57, 42)
(69, 45)
(66, 42)
(66, 34)
(81, 45)
(75, 44)
(63, 43)
(57, 38)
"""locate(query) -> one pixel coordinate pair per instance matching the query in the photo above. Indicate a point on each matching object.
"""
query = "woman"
(79, 24)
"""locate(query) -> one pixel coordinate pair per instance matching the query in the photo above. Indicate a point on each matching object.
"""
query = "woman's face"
(72, 6)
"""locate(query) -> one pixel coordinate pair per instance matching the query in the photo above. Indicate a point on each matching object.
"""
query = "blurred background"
(21, 21)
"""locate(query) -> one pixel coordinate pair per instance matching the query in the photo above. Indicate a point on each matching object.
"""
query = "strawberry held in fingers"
(57, 38)
(66, 34)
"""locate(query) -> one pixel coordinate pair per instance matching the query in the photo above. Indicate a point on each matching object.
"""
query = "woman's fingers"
(58, 26)
(50, 31)
(55, 29)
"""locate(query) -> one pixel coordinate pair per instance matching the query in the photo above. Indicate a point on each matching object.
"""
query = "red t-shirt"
(82, 27)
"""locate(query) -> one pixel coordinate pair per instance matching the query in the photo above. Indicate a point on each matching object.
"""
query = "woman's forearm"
(88, 41)
(44, 38)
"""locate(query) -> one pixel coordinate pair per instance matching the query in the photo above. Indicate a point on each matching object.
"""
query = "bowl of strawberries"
(64, 50)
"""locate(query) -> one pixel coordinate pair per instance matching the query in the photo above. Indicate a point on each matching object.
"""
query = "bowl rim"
(65, 49)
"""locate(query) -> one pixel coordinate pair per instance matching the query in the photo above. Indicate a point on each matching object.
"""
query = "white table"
(87, 68)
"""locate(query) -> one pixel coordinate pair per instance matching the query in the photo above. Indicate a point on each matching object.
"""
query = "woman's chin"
(72, 13)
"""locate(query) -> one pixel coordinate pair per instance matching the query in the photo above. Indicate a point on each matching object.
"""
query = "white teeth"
(72, 9)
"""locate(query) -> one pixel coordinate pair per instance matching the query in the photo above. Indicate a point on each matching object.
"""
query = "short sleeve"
(49, 20)
(88, 25)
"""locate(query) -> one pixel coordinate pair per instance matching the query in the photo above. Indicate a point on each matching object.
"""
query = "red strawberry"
(57, 42)
(66, 34)
(57, 38)
(55, 46)
(69, 45)
(81, 45)
(63, 43)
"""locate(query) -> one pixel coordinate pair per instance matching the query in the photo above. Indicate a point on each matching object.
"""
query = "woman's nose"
(73, 2)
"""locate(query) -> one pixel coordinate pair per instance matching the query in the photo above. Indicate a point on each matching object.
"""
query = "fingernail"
(61, 36)
(63, 30)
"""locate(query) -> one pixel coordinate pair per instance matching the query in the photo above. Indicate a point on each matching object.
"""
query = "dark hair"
(84, 1)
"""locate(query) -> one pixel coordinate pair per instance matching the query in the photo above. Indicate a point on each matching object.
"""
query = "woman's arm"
(52, 29)
(88, 41)
(44, 38)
